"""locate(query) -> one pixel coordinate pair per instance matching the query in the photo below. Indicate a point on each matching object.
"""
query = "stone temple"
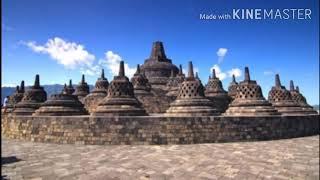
(82, 90)
(99, 92)
(120, 100)
(191, 100)
(16, 97)
(282, 100)
(158, 67)
(158, 105)
(63, 104)
(215, 92)
(300, 99)
(32, 99)
(249, 100)
(232, 89)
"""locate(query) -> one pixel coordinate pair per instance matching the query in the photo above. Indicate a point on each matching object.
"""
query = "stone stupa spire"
(82, 90)
(102, 74)
(232, 89)
(157, 51)
(233, 78)
(69, 88)
(121, 69)
(214, 73)
(297, 89)
(22, 89)
(190, 70)
(180, 70)
(138, 71)
(197, 76)
(37, 81)
(246, 74)
(277, 81)
(65, 89)
(291, 85)
(83, 79)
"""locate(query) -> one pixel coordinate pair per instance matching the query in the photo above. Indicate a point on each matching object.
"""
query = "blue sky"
(107, 31)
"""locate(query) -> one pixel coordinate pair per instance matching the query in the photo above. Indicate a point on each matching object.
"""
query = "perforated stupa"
(215, 92)
(32, 99)
(120, 100)
(249, 100)
(63, 104)
(99, 92)
(281, 99)
(300, 99)
(191, 100)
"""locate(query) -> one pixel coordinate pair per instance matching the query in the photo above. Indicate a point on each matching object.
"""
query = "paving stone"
(279, 159)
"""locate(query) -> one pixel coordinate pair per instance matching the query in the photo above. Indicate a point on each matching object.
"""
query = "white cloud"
(221, 75)
(70, 54)
(221, 53)
(9, 85)
(74, 56)
(91, 70)
(234, 71)
(112, 61)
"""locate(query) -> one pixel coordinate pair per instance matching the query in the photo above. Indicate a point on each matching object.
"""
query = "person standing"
(5, 103)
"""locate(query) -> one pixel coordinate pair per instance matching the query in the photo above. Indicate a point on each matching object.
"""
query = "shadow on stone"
(8, 160)
(4, 177)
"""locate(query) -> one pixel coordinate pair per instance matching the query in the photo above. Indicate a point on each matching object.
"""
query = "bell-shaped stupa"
(174, 83)
(70, 89)
(82, 90)
(157, 67)
(249, 100)
(99, 92)
(232, 89)
(63, 104)
(15, 98)
(140, 83)
(281, 99)
(191, 100)
(120, 100)
(32, 99)
(300, 99)
(215, 92)
(180, 73)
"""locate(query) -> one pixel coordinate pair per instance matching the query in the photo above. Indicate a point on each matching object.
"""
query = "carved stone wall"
(157, 102)
(156, 130)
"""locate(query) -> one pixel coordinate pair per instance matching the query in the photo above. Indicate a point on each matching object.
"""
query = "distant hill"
(50, 89)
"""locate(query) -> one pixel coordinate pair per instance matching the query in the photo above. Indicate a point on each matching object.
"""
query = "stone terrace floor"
(281, 159)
